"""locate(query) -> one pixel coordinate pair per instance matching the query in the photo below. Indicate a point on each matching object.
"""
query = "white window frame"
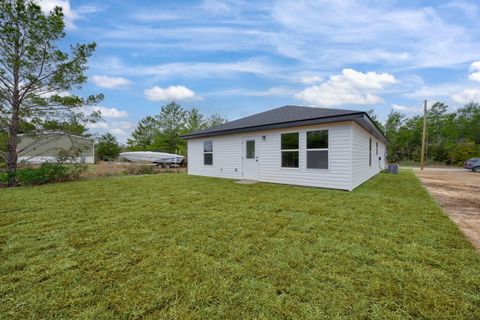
(207, 152)
(317, 149)
(290, 150)
(370, 151)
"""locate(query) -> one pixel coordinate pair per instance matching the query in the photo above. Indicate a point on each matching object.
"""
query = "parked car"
(472, 164)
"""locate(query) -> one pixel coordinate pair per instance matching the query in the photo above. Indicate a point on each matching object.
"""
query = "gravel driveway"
(458, 193)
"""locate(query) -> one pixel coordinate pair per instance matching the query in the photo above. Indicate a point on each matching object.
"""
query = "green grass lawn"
(173, 246)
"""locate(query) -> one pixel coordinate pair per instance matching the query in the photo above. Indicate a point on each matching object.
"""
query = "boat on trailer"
(161, 159)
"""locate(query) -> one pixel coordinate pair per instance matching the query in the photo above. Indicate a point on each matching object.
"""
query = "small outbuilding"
(318, 147)
(55, 147)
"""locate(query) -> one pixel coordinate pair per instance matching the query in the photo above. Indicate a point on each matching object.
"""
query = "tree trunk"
(12, 144)
(12, 156)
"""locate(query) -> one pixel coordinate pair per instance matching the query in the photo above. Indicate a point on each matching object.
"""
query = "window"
(289, 149)
(370, 152)
(317, 149)
(376, 148)
(208, 153)
(250, 151)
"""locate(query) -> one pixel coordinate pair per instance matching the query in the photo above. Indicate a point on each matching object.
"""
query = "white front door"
(250, 158)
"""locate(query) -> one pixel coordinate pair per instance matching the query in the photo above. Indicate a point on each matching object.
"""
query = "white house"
(318, 147)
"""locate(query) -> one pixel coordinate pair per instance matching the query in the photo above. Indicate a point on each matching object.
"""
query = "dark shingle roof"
(277, 118)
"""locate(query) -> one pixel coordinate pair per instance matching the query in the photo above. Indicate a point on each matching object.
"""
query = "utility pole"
(424, 136)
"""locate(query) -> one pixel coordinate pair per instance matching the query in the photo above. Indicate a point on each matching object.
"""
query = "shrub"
(3, 178)
(134, 170)
(463, 151)
(107, 147)
(46, 173)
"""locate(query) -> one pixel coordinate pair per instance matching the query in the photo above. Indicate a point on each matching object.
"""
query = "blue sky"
(241, 57)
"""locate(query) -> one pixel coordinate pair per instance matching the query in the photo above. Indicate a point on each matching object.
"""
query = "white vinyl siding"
(227, 157)
(362, 170)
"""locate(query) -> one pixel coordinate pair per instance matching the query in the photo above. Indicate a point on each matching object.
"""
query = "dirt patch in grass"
(458, 194)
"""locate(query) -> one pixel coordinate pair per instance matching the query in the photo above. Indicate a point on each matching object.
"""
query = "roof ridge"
(283, 114)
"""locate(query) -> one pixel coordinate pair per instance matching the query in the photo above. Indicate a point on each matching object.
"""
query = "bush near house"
(46, 173)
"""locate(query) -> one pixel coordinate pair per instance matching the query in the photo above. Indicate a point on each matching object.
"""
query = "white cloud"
(110, 82)
(70, 15)
(171, 93)
(257, 66)
(55, 93)
(111, 112)
(208, 69)
(351, 87)
(89, 9)
(475, 71)
(98, 125)
(435, 92)
(469, 9)
(155, 15)
(215, 7)
(310, 79)
(270, 92)
(424, 36)
(118, 132)
(121, 129)
(475, 66)
(384, 32)
(467, 95)
(406, 109)
(474, 76)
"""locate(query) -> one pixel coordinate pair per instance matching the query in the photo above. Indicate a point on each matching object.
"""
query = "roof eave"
(376, 131)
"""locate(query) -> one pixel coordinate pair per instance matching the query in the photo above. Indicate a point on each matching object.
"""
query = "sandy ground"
(458, 193)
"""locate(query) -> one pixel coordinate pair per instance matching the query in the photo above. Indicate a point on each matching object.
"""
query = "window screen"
(289, 150)
(317, 149)
(290, 159)
(207, 146)
(317, 139)
(290, 141)
(208, 153)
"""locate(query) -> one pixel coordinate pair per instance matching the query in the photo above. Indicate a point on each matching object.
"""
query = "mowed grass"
(174, 246)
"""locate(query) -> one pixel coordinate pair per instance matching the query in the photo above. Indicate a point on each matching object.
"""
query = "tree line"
(452, 137)
(162, 132)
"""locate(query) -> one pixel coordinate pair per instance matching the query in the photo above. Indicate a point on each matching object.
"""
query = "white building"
(53, 146)
(318, 147)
